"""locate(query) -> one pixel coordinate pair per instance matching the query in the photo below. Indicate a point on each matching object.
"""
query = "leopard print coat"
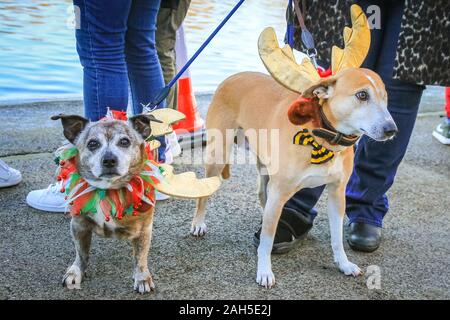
(423, 51)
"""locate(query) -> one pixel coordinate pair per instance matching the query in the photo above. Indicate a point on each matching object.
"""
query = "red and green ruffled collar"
(138, 196)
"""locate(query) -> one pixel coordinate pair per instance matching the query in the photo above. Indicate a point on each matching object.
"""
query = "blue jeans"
(116, 46)
(376, 163)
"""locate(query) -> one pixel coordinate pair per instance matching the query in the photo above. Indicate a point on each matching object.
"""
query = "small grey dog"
(109, 154)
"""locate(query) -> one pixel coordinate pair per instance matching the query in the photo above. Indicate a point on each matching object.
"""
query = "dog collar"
(319, 154)
(137, 196)
(331, 135)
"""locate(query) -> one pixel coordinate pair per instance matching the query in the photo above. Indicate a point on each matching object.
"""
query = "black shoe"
(292, 228)
(364, 237)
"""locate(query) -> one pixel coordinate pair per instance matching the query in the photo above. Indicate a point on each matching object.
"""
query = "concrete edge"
(68, 98)
(430, 105)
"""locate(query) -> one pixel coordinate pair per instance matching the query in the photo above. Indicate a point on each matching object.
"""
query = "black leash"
(165, 91)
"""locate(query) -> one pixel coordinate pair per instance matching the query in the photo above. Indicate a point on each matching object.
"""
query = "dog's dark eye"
(93, 144)
(124, 142)
(362, 95)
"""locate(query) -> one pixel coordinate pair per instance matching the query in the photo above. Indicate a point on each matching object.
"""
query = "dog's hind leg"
(221, 133)
(263, 180)
(143, 282)
(198, 226)
(336, 209)
(81, 231)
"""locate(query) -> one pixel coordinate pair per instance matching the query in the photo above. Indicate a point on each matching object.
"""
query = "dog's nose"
(390, 129)
(109, 160)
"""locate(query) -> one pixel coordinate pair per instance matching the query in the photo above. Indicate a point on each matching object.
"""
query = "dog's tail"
(226, 172)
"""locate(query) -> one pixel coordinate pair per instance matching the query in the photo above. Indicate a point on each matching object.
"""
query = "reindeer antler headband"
(281, 64)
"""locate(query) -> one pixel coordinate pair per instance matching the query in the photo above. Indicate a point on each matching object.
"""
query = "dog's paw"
(72, 278)
(198, 230)
(143, 282)
(349, 268)
(265, 279)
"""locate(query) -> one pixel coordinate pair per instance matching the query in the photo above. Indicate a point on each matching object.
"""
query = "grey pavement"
(35, 247)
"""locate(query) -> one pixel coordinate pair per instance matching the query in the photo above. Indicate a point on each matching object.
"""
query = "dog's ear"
(72, 124)
(305, 110)
(141, 123)
(322, 89)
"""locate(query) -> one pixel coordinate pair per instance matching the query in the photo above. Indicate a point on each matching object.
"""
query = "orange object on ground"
(192, 127)
(188, 106)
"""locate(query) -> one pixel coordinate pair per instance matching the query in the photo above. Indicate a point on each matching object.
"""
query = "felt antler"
(281, 63)
(166, 118)
(186, 185)
(299, 78)
(357, 43)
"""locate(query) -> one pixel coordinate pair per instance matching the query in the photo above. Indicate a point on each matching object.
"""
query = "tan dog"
(349, 103)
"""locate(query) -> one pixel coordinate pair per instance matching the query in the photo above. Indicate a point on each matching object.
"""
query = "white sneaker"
(442, 132)
(50, 199)
(8, 176)
(161, 196)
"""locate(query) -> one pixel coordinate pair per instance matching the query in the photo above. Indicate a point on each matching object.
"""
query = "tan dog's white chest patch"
(318, 175)
(335, 170)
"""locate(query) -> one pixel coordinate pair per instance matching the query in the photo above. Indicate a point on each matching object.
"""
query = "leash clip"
(306, 36)
(312, 54)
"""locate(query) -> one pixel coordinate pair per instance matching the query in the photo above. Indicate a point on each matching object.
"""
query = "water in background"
(38, 58)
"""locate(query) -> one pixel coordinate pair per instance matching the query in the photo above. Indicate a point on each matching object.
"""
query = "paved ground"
(35, 247)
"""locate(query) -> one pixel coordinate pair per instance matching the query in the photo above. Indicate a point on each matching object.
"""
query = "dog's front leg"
(143, 282)
(81, 231)
(271, 216)
(336, 211)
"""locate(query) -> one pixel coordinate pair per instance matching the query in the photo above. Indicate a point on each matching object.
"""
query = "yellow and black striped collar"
(319, 154)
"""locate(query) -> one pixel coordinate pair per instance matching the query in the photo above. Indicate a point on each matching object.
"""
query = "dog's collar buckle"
(337, 138)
